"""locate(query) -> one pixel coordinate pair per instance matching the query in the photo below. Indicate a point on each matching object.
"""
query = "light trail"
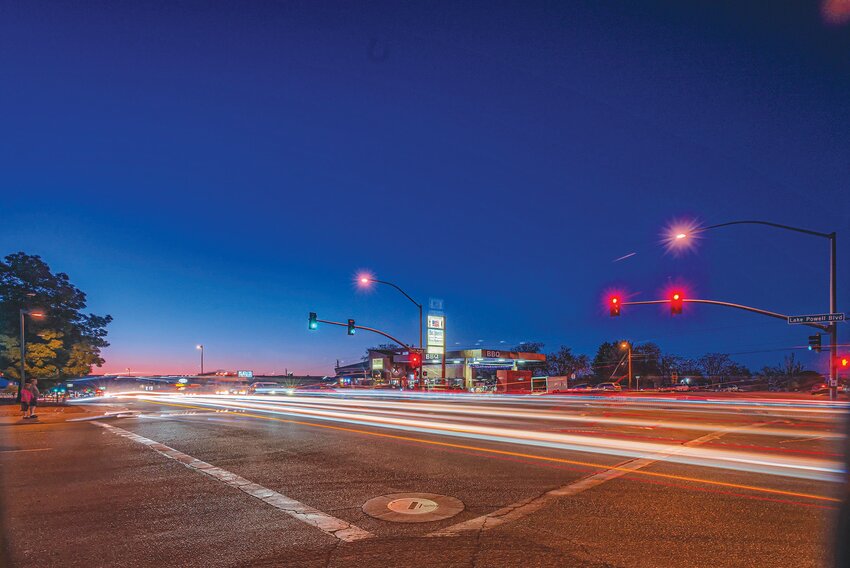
(464, 421)
(655, 474)
(538, 414)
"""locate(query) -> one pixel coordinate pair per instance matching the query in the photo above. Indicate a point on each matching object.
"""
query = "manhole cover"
(413, 507)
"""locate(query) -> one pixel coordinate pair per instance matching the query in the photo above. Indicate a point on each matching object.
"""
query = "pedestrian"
(33, 388)
(26, 397)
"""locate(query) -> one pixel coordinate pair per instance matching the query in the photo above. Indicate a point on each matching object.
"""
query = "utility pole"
(200, 347)
(628, 345)
(23, 356)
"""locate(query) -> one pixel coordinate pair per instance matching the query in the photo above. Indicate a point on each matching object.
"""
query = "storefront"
(468, 369)
(475, 369)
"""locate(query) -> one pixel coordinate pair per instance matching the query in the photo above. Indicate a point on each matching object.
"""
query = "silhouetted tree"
(564, 363)
(64, 343)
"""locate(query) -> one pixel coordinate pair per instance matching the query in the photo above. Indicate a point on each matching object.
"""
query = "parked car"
(580, 387)
(820, 388)
(609, 387)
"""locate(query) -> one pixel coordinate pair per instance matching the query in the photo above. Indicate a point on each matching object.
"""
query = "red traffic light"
(415, 359)
(614, 306)
(676, 302)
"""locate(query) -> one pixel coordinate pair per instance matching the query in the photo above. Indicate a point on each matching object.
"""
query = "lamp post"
(22, 312)
(682, 236)
(366, 280)
(201, 349)
(628, 345)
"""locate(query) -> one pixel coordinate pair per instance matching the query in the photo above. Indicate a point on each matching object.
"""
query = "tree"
(66, 342)
(669, 364)
(785, 376)
(607, 360)
(382, 347)
(646, 360)
(719, 366)
(563, 363)
(529, 347)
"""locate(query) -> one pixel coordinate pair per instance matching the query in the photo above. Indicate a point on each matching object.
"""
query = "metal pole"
(833, 340)
(421, 351)
(23, 357)
(202, 359)
(630, 366)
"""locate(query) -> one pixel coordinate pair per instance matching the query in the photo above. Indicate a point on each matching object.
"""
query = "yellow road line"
(524, 455)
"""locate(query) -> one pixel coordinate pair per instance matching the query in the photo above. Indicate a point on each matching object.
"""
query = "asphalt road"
(544, 481)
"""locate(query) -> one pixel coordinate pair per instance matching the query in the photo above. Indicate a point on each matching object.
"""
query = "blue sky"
(209, 173)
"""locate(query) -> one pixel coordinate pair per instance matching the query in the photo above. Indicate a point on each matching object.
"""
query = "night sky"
(210, 173)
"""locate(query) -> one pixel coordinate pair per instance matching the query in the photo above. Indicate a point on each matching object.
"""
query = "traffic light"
(415, 359)
(313, 322)
(676, 301)
(351, 328)
(814, 343)
(845, 361)
(614, 306)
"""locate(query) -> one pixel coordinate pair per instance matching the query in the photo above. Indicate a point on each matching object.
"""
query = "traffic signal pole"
(833, 289)
(833, 332)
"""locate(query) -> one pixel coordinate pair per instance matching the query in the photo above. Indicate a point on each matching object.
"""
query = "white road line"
(528, 506)
(338, 528)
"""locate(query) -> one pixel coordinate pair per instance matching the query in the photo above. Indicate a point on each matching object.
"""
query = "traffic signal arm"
(364, 328)
(728, 305)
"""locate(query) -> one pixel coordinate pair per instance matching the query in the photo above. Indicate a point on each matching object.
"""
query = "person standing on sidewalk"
(33, 388)
(26, 398)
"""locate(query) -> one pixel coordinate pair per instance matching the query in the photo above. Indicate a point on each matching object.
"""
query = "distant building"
(465, 369)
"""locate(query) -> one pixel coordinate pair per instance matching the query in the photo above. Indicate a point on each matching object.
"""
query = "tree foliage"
(564, 363)
(719, 367)
(786, 375)
(66, 342)
(529, 347)
(607, 360)
(382, 347)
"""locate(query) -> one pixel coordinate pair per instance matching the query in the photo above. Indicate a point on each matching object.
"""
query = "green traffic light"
(313, 322)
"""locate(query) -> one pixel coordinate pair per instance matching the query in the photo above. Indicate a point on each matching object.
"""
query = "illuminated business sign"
(436, 338)
(245, 374)
(436, 332)
(377, 364)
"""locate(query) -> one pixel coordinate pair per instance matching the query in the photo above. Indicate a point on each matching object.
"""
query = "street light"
(201, 348)
(682, 236)
(628, 345)
(365, 280)
(35, 314)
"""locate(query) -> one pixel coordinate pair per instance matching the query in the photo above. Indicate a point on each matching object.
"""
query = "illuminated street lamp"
(34, 314)
(627, 345)
(201, 349)
(365, 280)
(680, 236)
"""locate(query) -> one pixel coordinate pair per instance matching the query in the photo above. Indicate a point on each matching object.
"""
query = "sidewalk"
(47, 412)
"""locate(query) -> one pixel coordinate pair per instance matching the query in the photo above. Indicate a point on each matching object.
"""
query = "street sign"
(816, 318)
